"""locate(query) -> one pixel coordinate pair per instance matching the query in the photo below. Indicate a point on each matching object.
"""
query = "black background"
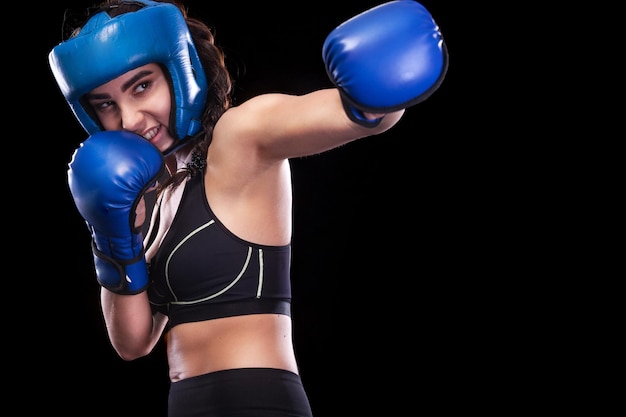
(380, 231)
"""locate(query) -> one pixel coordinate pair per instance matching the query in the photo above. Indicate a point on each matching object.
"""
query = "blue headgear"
(108, 47)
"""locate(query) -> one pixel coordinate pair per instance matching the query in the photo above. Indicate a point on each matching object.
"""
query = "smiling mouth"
(151, 133)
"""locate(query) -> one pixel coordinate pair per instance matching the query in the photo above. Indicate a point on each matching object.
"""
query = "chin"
(165, 144)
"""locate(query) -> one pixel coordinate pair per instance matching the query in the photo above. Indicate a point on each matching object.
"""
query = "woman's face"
(138, 101)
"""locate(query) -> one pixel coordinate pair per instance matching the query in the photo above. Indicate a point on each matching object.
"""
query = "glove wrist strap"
(357, 116)
(126, 277)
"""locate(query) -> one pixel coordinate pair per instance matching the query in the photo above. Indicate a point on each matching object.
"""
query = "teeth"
(151, 134)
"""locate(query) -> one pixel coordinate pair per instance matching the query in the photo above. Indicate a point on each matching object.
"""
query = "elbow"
(131, 352)
(127, 358)
(131, 355)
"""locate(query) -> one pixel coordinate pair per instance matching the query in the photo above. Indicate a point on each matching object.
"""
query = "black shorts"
(254, 392)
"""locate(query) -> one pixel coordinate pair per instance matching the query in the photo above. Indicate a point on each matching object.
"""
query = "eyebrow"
(125, 86)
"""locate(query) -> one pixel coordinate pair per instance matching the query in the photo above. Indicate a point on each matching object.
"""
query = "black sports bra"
(202, 271)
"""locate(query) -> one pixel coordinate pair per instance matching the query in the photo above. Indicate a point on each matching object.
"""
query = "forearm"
(108, 176)
(131, 326)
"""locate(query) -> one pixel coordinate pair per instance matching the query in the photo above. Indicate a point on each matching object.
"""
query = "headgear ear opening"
(107, 47)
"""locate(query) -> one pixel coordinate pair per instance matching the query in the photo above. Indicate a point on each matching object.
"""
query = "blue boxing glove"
(107, 176)
(385, 59)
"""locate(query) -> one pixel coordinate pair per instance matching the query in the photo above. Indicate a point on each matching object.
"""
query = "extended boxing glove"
(387, 58)
(107, 176)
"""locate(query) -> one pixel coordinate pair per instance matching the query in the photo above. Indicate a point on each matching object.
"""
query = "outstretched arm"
(381, 62)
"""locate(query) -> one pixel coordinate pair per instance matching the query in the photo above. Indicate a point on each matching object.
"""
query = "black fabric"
(203, 271)
(245, 392)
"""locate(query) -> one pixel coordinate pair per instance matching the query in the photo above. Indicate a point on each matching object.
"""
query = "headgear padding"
(107, 47)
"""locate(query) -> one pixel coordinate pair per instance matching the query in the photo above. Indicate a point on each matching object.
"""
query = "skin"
(248, 184)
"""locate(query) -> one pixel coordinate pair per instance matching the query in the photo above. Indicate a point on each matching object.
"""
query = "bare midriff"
(252, 341)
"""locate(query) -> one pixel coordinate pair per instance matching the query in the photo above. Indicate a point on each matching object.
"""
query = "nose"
(133, 119)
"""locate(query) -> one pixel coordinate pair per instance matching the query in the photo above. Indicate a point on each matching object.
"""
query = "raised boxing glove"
(107, 176)
(387, 58)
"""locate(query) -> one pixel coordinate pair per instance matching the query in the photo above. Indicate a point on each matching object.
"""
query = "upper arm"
(280, 126)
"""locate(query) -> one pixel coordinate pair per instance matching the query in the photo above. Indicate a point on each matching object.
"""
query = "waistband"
(245, 392)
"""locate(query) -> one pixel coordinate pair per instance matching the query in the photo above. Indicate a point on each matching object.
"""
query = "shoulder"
(254, 120)
(272, 113)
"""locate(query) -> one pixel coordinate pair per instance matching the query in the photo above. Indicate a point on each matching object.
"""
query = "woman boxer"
(211, 275)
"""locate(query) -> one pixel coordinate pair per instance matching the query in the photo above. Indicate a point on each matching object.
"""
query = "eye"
(142, 86)
(103, 106)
